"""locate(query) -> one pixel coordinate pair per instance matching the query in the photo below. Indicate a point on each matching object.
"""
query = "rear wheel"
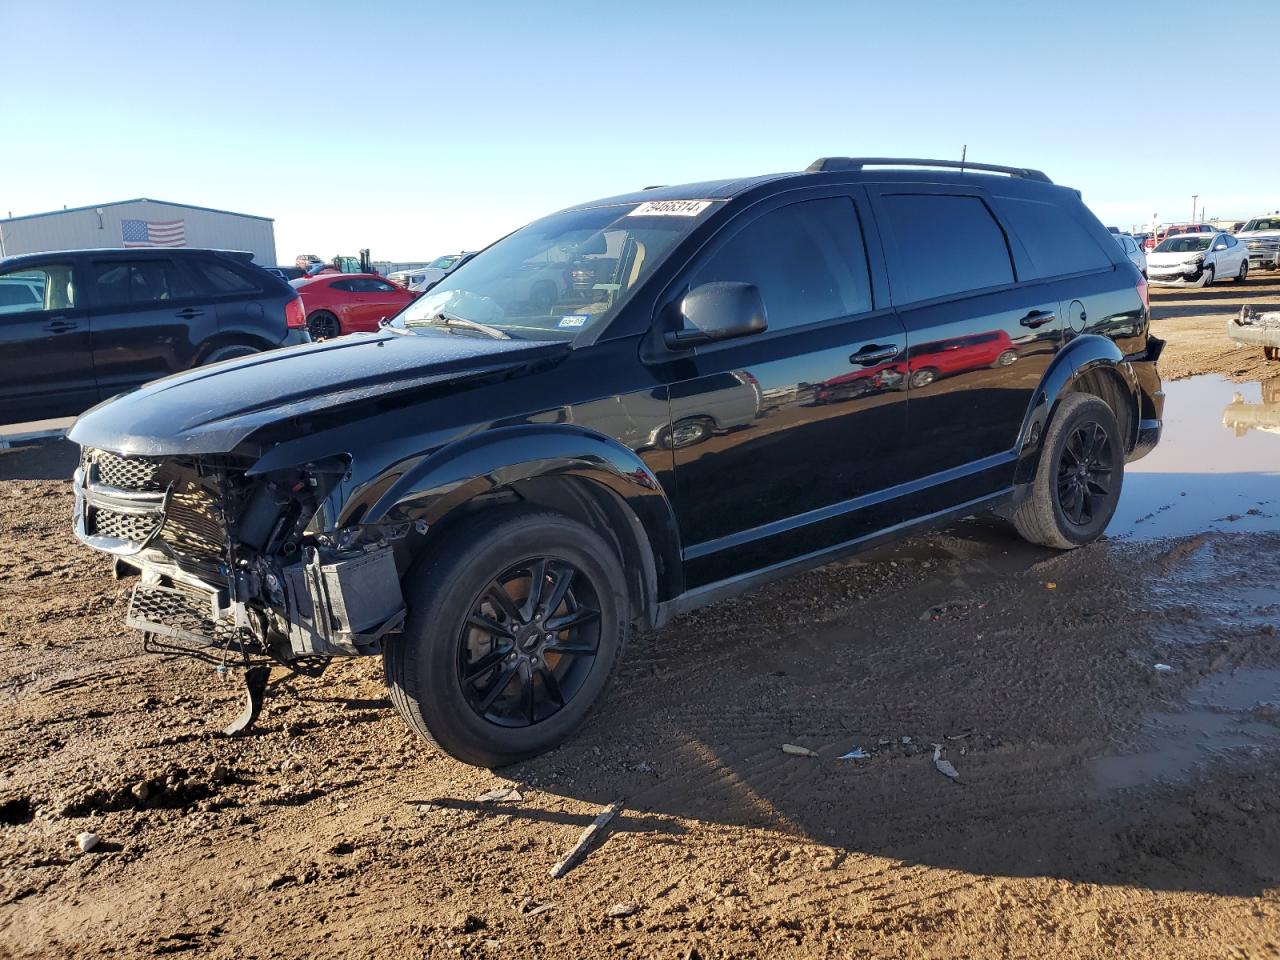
(229, 352)
(322, 325)
(684, 434)
(1244, 272)
(517, 617)
(1271, 353)
(1077, 483)
(1007, 358)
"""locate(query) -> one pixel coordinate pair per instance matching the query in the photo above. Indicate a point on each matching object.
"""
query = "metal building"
(139, 223)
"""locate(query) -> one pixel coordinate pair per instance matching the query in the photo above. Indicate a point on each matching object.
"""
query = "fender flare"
(1083, 355)
(496, 458)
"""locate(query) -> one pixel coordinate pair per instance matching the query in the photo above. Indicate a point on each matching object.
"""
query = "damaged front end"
(236, 566)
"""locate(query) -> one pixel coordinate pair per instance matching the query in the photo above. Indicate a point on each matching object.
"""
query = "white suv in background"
(1262, 236)
(1197, 260)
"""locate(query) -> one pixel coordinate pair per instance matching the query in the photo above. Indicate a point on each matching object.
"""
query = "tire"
(322, 325)
(1008, 358)
(1271, 353)
(922, 378)
(229, 352)
(1053, 515)
(686, 433)
(1243, 275)
(450, 588)
(1207, 278)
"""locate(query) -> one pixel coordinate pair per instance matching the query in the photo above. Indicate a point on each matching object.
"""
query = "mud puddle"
(1229, 716)
(1217, 466)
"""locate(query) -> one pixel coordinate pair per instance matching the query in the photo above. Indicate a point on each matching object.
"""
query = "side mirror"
(719, 311)
(1221, 246)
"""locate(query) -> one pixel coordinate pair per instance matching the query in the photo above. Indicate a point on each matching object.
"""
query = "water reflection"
(1217, 466)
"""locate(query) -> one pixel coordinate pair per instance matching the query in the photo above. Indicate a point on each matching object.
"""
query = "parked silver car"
(1133, 250)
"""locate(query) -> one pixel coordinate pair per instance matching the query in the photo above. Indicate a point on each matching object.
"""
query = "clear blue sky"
(416, 128)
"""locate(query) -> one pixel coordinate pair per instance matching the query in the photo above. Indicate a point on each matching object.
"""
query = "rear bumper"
(295, 336)
(1150, 400)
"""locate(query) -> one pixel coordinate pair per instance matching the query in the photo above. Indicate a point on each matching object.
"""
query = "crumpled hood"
(213, 409)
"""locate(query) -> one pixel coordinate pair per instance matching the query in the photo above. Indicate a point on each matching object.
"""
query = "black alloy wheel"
(529, 642)
(322, 325)
(1085, 470)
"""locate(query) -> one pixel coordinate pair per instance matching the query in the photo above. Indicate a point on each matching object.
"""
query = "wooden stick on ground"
(595, 829)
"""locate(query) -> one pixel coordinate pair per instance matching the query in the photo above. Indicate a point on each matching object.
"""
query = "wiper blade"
(443, 319)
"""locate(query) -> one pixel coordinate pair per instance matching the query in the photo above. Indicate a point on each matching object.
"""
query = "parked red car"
(338, 303)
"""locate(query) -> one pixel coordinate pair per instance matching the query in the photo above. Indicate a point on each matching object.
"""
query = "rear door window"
(1058, 243)
(139, 282)
(945, 244)
(31, 289)
(808, 259)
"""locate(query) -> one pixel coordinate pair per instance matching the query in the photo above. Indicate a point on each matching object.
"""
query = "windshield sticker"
(670, 208)
(574, 320)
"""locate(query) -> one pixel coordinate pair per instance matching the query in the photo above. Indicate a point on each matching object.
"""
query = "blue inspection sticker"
(574, 320)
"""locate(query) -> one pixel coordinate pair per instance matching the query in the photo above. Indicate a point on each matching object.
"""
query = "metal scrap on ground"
(795, 751)
(588, 836)
(945, 767)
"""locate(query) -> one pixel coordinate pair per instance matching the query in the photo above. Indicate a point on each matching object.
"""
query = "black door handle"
(190, 313)
(874, 353)
(61, 326)
(1038, 318)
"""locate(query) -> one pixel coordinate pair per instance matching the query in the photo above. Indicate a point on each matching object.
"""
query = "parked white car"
(1133, 250)
(436, 270)
(1197, 260)
(1262, 236)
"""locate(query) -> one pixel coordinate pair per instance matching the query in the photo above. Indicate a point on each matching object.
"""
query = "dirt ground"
(1195, 324)
(1104, 807)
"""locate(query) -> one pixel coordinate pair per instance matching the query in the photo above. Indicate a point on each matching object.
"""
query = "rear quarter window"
(217, 279)
(1057, 242)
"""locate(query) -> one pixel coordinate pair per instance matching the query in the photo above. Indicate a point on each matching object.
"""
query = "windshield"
(559, 275)
(1187, 243)
(1263, 223)
(440, 263)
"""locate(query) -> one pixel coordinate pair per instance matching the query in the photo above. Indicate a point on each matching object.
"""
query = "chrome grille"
(127, 473)
(133, 527)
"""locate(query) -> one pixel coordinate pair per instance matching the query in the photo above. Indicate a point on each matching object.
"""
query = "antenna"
(964, 150)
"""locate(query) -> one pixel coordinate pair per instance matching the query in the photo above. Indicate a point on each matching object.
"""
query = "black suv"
(496, 488)
(78, 326)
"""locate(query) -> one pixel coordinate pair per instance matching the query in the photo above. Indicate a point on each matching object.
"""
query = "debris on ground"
(1163, 668)
(622, 909)
(532, 908)
(87, 841)
(945, 767)
(857, 753)
(1051, 585)
(595, 829)
(796, 751)
(500, 794)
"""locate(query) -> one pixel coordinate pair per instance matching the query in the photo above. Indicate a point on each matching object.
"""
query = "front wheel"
(1077, 483)
(517, 617)
(1206, 278)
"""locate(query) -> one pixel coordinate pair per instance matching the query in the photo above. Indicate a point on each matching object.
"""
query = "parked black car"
(482, 493)
(78, 326)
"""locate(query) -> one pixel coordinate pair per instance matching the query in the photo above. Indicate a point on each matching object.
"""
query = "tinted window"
(346, 286)
(945, 244)
(1058, 243)
(378, 286)
(40, 288)
(808, 260)
(123, 282)
(1231, 241)
(216, 279)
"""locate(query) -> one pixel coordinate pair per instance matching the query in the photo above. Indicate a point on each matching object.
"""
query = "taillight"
(294, 314)
(1142, 292)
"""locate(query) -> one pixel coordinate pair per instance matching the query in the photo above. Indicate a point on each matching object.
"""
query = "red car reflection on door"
(338, 303)
(943, 358)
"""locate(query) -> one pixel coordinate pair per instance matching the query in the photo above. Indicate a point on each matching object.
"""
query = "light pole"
(1194, 198)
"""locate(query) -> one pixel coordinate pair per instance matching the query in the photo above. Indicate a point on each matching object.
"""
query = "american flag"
(153, 233)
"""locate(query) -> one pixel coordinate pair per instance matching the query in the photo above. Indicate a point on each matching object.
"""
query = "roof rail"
(829, 164)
